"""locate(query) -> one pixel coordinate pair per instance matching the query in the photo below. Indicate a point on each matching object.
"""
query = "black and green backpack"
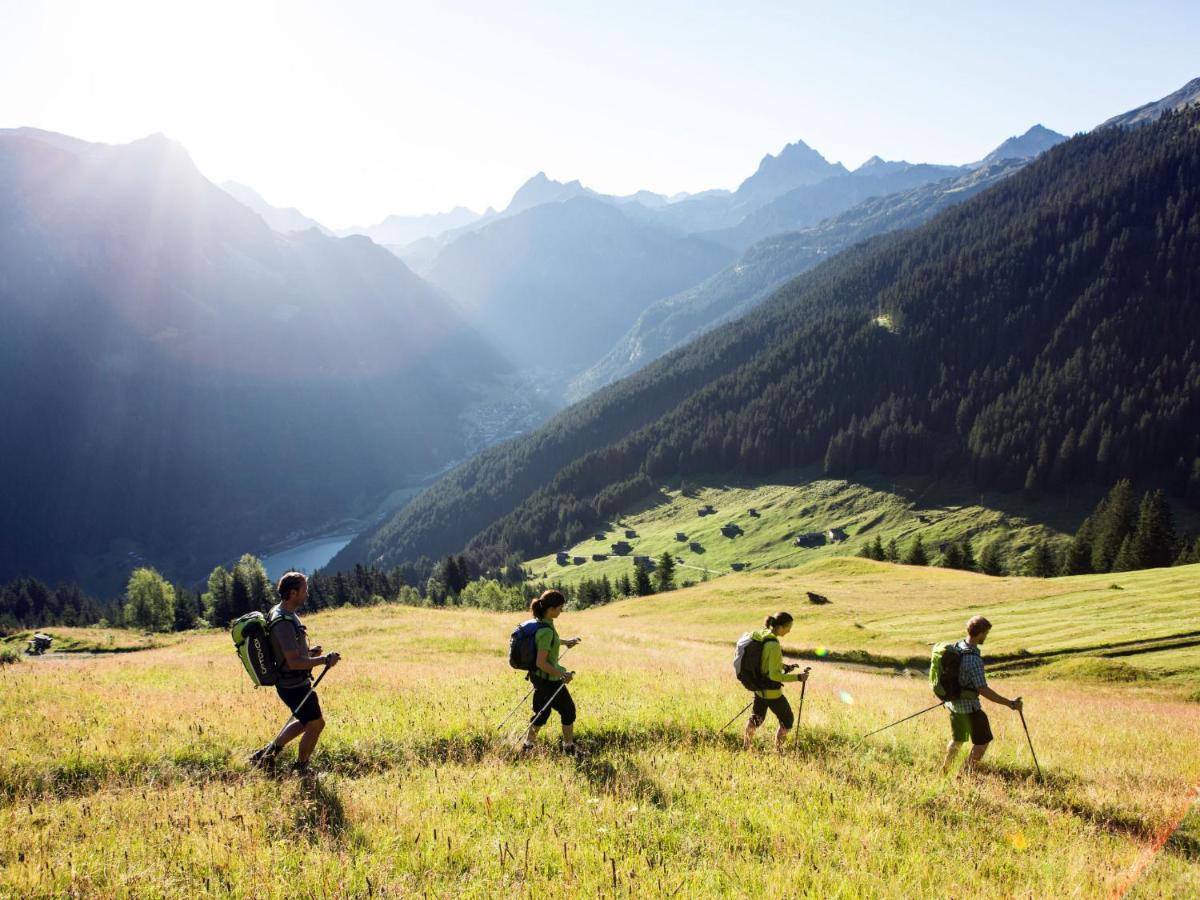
(252, 639)
(945, 664)
(747, 663)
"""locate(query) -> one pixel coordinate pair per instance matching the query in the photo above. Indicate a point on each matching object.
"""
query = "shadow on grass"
(320, 812)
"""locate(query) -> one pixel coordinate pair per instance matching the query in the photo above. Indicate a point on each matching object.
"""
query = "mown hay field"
(124, 775)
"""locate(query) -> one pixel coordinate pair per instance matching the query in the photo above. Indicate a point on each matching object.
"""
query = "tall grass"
(125, 775)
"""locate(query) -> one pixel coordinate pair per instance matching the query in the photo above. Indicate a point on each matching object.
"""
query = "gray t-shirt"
(288, 634)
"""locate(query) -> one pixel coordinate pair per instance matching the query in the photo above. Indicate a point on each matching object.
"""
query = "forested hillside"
(1043, 333)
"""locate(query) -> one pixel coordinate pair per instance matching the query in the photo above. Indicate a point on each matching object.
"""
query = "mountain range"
(1014, 340)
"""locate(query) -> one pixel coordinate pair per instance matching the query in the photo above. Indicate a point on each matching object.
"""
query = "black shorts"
(779, 706)
(543, 690)
(310, 711)
(974, 725)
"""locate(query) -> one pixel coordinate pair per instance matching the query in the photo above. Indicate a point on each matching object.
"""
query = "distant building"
(696, 547)
(621, 548)
(809, 539)
(737, 567)
(731, 530)
(599, 536)
(680, 536)
(836, 535)
(753, 513)
(599, 557)
(630, 533)
(562, 557)
(579, 560)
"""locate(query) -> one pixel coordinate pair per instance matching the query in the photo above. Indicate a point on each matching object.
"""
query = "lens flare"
(846, 697)
(822, 651)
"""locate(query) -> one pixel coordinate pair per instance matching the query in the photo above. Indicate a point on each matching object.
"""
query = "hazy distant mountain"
(180, 380)
(401, 230)
(281, 220)
(556, 285)
(809, 204)
(739, 287)
(539, 190)
(796, 165)
(1150, 112)
(1036, 140)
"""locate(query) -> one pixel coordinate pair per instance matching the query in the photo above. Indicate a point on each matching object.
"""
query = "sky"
(351, 111)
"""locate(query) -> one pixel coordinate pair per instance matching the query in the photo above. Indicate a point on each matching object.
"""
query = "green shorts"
(973, 727)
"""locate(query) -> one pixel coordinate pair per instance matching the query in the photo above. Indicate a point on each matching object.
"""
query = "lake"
(306, 557)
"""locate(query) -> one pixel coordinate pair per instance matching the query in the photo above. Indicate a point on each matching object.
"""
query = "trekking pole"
(1030, 740)
(900, 722)
(738, 716)
(523, 699)
(803, 687)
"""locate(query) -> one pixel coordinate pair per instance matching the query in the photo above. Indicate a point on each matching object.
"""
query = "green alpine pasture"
(124, 774)
(808, 503)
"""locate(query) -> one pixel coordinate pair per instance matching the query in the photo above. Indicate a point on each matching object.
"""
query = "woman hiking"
(549, 679)
(774, 673)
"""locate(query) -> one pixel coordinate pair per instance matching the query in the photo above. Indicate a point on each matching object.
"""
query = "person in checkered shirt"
(968, 721)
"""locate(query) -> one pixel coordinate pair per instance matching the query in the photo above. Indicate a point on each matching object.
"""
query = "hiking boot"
(300, 770)
(526, 749)
(264, 757)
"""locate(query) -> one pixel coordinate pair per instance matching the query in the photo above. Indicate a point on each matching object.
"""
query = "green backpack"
(252, 639)
(945, 663)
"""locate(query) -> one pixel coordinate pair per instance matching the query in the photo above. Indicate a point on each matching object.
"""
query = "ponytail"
(780, 618)
(547, 601)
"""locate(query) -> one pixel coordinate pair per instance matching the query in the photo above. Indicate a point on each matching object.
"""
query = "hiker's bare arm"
(296, 661)
(986, 691)
(543, 663)
(571, 642)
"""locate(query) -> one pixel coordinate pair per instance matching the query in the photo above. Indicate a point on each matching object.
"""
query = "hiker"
(968, 721)
(295, 660)
(548, 678)
(772, 675)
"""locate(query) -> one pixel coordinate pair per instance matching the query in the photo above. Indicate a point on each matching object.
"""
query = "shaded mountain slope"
(1016, 339)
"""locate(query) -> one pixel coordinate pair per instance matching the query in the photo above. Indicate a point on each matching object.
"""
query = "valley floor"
(123, 775)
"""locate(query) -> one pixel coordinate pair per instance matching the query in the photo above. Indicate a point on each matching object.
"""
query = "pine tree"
(664, 575)
(915, 555)
(1078, 558)
(1153, 542)
(969, 563)
(891, 553)
(641, 580)
(1041, 561)
(624, 587)
(218, 599)
(877, 551)
(451, 576)
(1125, 561)
(991, 560)
(1114, 519)
(952, 558)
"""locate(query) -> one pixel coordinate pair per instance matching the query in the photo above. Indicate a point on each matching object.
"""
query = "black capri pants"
(543, 690)
(779, 706)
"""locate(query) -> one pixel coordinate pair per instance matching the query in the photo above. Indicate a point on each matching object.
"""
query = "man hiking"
(773, 672)
(968, 721)
(296, 660)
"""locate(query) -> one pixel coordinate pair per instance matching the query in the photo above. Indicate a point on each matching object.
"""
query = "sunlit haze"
(353, 111)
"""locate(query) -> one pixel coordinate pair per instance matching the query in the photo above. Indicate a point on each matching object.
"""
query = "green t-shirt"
(547, 639)
(772, 663)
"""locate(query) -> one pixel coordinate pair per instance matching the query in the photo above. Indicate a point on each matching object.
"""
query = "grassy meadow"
(124, 774)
